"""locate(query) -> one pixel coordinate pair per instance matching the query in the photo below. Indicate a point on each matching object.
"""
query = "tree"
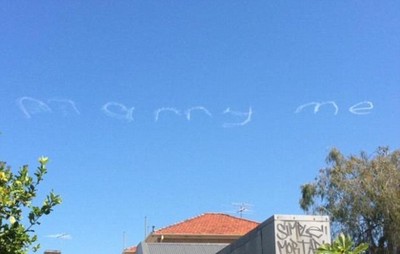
(17, 192)
(342, 245)
(361, 194)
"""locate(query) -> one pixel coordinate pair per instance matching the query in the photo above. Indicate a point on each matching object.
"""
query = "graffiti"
(299, 238)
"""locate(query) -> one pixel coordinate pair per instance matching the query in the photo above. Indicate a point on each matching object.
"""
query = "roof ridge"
(203, 214)
(180, 222)
(239, 218)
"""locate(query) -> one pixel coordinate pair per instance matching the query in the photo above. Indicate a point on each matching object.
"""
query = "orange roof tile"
(210, 224)
(130, 250)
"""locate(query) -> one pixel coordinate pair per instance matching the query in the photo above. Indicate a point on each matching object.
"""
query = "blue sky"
(169, 109)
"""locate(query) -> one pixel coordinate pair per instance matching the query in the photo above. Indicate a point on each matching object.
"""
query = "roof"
(130, 250)
(210, 224)
(179, 248)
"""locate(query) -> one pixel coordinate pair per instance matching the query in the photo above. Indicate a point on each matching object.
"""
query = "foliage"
(361, 194)
(342, 245)
(17, 192)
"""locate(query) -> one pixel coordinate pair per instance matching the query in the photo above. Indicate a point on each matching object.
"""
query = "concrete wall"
(284, 234)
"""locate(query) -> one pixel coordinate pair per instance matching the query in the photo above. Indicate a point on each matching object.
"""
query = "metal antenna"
(242, 208)
(145, 227)
(123, 240)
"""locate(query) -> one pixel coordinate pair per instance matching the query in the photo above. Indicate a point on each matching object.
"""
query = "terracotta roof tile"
(130, 250)
(210, 224)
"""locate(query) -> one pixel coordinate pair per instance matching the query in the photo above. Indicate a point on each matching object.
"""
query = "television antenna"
(242, 208)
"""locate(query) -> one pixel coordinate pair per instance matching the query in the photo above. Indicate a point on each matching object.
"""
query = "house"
(284, 234)
(206, 233)
(181, 248)
(213, 233)
(130, 250)
(205, 228)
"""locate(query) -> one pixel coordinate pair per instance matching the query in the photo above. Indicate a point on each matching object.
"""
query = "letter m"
(317, 106)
